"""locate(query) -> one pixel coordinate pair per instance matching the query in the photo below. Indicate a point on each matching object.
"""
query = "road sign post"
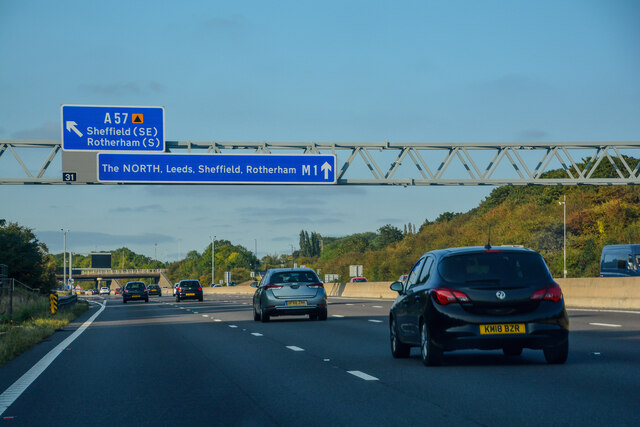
(112, 128)
(53, 302)
(217, 168)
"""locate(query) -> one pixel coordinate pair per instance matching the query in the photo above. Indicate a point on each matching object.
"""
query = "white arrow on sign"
(71, 126)
(326, 167)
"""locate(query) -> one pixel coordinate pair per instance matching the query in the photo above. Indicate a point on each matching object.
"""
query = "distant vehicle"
(289, 291)
(620, 261)
(94, 292)
(189, 289)
(215, 285)
(154, 289)
(175, 289)
(135, 291)
(232, 283)
(479, 298)
(117, 291)
(358, 279)
(105, 290)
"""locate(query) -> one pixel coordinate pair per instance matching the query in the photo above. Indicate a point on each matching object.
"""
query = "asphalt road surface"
(208, 363)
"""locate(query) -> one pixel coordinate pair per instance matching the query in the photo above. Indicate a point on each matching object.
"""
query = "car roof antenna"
(488, 245)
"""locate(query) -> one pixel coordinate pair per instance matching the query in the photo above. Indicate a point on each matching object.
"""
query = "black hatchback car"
(154, 289)
(135, 291)
(189, 289)
(479, 298)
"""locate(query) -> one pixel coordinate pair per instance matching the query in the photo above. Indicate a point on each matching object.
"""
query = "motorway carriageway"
(208, 363)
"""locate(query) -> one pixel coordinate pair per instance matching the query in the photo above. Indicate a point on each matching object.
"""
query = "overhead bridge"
(108, 274)
(377, 163)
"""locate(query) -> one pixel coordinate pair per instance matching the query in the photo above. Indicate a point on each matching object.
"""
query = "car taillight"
(550, 293)
(450, 296)
(199, 288)
(315, 285)
(271, 286)
(180, 289)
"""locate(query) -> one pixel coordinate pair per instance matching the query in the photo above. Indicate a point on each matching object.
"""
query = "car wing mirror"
(396, 286)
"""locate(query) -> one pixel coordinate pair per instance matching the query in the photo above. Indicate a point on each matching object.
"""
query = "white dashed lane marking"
(205, 315)
(337, 315)
(233, 326)
(375, 321)
(376, 306)
(363, 376)
(294, 348)
(606, 325)
(256, 334)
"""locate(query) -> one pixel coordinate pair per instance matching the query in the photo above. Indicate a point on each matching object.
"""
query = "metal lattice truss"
(406, 164)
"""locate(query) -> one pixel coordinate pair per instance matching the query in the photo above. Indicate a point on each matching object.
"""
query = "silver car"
(289, 291)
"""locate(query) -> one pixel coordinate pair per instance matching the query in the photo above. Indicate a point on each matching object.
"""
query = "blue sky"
(422, 71)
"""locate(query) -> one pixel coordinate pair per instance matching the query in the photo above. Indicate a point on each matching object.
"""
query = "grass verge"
(34, 327)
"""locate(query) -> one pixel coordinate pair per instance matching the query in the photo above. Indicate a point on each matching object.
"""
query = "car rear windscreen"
(136, 286)
(495, 267)
(190, 283)
(295, 277)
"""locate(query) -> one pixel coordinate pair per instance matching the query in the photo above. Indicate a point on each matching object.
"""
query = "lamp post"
(213, 262)
(64, 258)
(564, 234)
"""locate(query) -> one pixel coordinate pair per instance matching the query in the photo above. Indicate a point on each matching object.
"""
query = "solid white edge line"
(363, 376)
(17, 388)
(608, 325)
(375, 321)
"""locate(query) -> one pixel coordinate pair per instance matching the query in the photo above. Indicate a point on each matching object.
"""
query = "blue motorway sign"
(112, 128)
(217, 168)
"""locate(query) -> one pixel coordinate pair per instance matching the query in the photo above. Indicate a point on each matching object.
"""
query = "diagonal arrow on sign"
(326, 167)
(71, 126)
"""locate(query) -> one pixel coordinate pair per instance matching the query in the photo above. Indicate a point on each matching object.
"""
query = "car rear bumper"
(468, 337)
(455, 330)
(134, 298)
(196, 295)
(294, 310)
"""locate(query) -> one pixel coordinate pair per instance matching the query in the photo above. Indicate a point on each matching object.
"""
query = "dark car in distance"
(154, 289)
(189, 289)
(484, 298)
(135, 291)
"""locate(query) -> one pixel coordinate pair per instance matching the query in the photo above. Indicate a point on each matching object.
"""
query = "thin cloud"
(235, 21)
(85, 241)
(145, 208)
(533, 135)
(124, 88)
(47, 130)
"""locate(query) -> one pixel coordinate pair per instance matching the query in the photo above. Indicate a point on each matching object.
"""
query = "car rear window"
(295, 277)
(494, 267)
(135, 286)
(190, 283)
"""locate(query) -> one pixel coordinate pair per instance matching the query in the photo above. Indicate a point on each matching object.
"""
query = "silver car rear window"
(294, 277)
